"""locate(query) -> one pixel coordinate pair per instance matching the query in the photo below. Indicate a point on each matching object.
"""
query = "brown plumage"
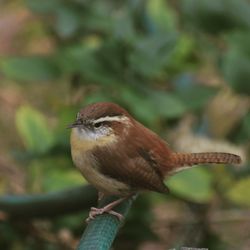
(120, 156)
(135, 156)
(189, 159)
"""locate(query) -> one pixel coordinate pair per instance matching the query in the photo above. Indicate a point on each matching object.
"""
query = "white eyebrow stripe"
(78, 116)
(111, 119)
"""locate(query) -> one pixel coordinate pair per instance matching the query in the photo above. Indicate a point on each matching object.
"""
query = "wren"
(119, 156)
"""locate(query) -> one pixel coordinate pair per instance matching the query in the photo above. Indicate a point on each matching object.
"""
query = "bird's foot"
(98, 211)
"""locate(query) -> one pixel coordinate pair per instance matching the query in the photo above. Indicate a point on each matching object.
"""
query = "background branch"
(48, 205)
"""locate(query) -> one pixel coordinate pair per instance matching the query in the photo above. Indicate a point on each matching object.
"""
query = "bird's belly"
(87, 165)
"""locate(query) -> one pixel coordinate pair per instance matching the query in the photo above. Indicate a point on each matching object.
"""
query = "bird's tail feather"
(189, 159)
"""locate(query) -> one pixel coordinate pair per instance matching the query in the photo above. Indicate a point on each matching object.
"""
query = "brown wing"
(135, 163)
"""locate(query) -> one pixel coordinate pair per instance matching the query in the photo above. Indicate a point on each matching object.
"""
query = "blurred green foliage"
(237, 63)
(29, 68)
(194, 185)
(162, 60)
(33, 129)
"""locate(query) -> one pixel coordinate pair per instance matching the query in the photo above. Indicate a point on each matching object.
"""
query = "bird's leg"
(101, 195)
(107, 209)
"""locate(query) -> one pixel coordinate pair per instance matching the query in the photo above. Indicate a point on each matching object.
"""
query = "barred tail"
(189, 159)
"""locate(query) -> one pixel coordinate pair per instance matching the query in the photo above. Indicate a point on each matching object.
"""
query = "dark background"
(182, 68)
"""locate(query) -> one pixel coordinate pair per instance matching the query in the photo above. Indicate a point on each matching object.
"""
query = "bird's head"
(101, 120)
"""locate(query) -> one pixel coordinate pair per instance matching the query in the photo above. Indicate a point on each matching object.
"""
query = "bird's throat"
(84, 142)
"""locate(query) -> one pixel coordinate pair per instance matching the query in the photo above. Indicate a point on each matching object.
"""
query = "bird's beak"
(75, 124)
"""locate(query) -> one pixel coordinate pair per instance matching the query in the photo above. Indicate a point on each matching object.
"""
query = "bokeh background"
(182, 68)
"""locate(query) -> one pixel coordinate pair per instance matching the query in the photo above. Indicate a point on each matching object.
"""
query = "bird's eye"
(97, 124)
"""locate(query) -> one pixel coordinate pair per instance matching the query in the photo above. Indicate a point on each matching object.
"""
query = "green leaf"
(89, 60)
(182, 57)
(168, 105)
(152, 53)
(98, 96)
(53, 173)
(152, 105)
(194, 184)
(43, 6)
(142, 106)
(161, 15)
(33, 129)
(57, 179)
(29, 68)
(193, 96)
(67, 21)
(236, 62)
(240, 192)
(246, 126)
(216, 16)
(76, 58)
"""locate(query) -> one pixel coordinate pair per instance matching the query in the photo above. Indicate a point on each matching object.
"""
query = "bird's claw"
(98, 211)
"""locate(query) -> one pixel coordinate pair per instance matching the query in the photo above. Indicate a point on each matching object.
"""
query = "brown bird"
(119, 156)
